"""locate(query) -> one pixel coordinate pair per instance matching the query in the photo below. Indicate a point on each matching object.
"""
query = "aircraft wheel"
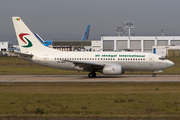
(154, 74)
(90, 75)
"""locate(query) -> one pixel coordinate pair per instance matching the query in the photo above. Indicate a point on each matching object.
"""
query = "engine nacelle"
(112, 70)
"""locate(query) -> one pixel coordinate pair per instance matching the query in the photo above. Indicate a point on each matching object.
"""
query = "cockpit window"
(162, 58)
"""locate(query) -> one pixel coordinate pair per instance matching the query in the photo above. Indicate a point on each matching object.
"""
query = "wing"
(87, 66)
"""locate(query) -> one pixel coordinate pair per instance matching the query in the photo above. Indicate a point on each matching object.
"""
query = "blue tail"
(86, 34)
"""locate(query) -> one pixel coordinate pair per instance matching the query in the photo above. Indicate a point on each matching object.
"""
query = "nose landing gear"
(154, 75)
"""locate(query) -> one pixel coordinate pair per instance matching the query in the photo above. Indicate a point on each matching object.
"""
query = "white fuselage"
(130, 61)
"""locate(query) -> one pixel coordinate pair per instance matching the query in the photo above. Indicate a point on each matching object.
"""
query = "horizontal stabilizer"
(21, 54)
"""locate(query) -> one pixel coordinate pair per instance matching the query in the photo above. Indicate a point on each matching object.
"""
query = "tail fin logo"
(87, 35)
(29, 44)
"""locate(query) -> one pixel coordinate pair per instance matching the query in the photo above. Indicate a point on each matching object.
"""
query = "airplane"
(108, 63)
(49, 42)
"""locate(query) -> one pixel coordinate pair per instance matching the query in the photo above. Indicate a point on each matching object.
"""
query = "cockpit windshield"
(162, 58)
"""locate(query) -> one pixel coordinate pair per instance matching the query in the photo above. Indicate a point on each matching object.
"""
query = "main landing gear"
(154, 75)
(92, 74)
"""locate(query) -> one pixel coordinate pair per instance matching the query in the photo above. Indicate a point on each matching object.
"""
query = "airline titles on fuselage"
(119, 55)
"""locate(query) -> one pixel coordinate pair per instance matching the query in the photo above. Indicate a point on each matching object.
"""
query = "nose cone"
(170, 63)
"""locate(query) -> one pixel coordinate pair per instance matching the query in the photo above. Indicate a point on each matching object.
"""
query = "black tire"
(90, 75)
(154, 75)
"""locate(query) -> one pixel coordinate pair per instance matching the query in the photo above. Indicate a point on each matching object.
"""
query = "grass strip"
(127, 100)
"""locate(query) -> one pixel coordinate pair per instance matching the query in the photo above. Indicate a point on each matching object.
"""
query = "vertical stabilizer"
(28, 43)
(86, 34)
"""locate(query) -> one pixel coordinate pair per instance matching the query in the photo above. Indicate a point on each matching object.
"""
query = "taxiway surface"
(84, 78)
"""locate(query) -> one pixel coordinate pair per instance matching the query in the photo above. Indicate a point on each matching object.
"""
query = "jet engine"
(112, 70)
